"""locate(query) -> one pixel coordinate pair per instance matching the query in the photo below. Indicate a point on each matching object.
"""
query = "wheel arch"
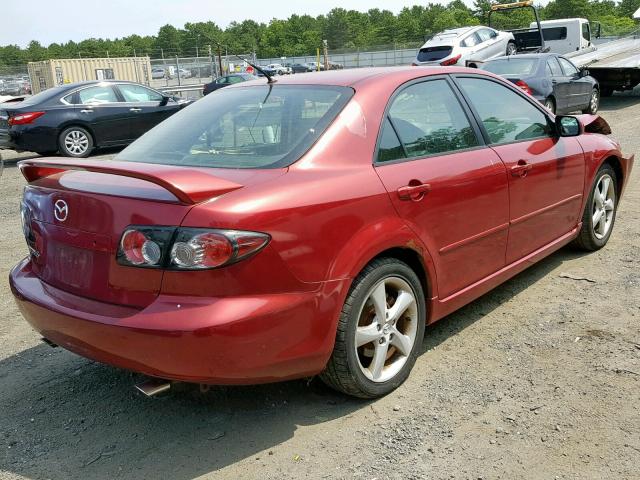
(614, 162)
(76, 123)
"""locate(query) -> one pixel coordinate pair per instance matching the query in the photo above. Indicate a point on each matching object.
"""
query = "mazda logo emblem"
(60, 210)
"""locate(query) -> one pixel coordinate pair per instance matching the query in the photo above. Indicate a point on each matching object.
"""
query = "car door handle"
(86, 111)
(521, 169)
(415, 191)
(135, 109)
(554, 81)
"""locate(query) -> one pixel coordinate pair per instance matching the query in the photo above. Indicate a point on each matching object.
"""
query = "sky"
(59, 21)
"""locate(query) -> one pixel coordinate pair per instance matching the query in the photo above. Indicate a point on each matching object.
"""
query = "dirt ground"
(539, 379)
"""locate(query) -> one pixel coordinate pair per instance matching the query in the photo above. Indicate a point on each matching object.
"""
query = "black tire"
(594, 102)
(84, 148)
(550, 104)
(512, 49)
(343, 372)
(606, 91)
(588, 239)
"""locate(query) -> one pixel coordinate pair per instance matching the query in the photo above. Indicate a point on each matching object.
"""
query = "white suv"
(461, 46)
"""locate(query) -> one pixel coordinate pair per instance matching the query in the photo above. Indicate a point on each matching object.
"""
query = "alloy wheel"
(593, 104)
(511, 49)
(604, 197)
(549, 105)
(387, 329)
(76, 142)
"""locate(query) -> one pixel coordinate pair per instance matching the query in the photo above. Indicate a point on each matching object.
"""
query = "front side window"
(429, 120)
(569, 69)
(506, 116)
(263, 126)
(586, 32)
(138, 94)
(97, 95)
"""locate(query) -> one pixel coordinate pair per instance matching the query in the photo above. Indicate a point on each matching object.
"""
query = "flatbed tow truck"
(615, 64)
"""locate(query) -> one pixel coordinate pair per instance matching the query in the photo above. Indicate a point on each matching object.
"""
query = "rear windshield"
(430, 54)
(44, 96)
(512, 66)
(249, 127)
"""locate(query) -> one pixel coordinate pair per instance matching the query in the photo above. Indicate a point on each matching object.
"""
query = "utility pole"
(220, 59)
(213, 67)
(325, 51)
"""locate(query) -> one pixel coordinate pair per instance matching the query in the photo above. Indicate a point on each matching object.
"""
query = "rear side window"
(428, 119)
(266, 126)
(505, 115)
(97, 95)
(431, 54)
(554, 33)
(390, 147)
(471, 41)
(554, 67)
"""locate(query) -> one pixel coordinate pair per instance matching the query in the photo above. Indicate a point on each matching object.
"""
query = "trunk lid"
(75, 213)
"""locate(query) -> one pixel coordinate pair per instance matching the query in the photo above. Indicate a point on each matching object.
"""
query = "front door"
(145, 108)
(448, 186)
(579, 87)
(545, 172)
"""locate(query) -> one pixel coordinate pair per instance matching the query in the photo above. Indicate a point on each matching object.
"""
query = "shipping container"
(51, 73)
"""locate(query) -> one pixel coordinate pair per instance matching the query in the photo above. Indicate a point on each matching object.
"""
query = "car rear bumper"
(27, 138)
(232, 340)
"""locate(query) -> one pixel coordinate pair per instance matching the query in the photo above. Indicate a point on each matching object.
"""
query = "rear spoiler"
(189, 186)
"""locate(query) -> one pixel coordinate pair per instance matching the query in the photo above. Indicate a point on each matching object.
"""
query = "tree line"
(303, 34)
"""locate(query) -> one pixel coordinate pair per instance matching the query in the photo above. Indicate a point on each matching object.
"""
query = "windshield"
(263, 126)
(512, 66)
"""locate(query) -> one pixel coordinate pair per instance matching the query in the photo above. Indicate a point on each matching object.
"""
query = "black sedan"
(76, 118)
(301, 68)
(551, 79)
(227, 80)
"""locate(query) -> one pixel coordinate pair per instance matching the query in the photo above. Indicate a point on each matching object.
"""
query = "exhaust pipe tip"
(153, 386)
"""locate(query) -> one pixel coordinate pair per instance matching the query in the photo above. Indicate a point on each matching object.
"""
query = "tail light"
(451, 61)
(523, 86)
(24, 118)
(187, 248)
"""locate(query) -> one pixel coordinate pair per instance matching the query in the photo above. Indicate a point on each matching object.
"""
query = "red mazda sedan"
(312, 226)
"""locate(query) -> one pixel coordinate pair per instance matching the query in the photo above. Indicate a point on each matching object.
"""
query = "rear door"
(545, 172)
(145, 108)
(560, 84)
(444, 182)
(99, 107)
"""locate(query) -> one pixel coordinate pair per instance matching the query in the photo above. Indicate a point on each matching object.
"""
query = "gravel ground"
(538, 379)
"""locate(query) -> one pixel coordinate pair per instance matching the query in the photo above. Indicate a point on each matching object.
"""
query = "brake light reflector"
(206, 250)
(138, 249)
(451, 61)
(523, 86)
(24, 118)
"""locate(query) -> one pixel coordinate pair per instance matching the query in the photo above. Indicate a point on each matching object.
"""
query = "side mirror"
(584, 72)
(567, 126)
(165, 100)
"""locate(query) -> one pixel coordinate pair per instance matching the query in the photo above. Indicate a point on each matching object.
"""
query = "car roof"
(354, 76)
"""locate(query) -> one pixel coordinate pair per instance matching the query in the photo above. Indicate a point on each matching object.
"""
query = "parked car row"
(15, 86)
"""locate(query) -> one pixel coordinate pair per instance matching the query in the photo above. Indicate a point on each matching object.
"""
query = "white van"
(566, 35)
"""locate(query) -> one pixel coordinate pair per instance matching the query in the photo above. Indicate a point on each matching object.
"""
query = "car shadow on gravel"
(619, 101)
(64, 417)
